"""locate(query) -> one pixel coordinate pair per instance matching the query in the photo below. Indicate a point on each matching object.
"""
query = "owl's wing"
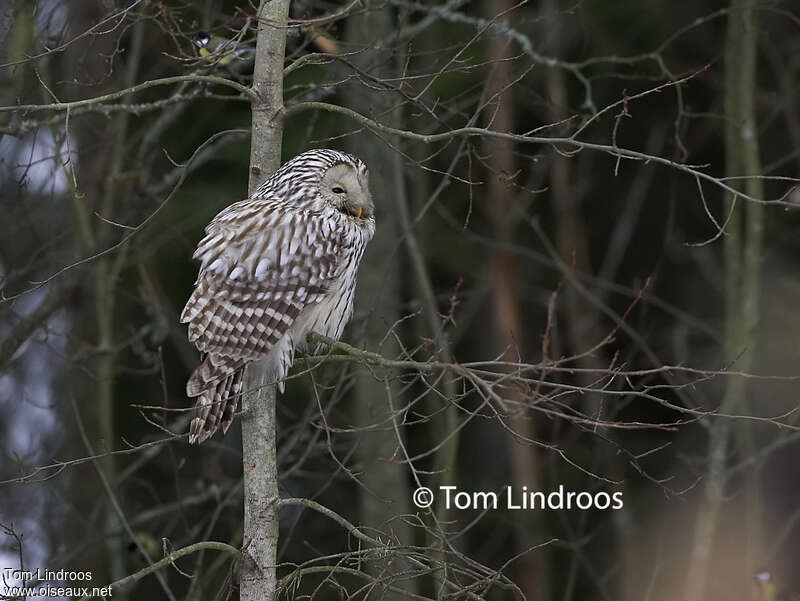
(262, 263)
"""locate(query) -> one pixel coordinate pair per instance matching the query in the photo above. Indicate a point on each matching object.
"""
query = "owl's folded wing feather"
(261, 265)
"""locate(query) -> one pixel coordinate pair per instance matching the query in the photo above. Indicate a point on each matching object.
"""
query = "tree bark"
(743, 254)
(509, 334)
(17, 31)
(379, 285)
(257, 578)
(267, 133)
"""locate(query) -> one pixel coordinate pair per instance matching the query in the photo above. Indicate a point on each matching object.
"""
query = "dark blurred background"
(639, 329)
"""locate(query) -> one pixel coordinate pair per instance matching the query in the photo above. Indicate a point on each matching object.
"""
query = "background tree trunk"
(508, 327)
(378, 295)
(743, 254)
(17, 31)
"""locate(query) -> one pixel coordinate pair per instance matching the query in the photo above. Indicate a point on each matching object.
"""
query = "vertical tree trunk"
(257, 579)
(98, 184)
(114, 193)
(267, 133)
(580, 320)
(17, 30)
(508, 324)
(743, 257)
(379, 287)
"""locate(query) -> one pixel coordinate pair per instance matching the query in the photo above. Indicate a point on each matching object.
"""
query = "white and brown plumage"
(273, 268)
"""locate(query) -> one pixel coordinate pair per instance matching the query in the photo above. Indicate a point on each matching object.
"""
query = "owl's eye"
(338, 190)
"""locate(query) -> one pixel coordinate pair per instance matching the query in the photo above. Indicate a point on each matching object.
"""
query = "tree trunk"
(507, 310)
(17, 30)
(743, 257)
(379, 285)
(257, 578)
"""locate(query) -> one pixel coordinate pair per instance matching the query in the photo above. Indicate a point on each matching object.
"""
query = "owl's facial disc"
(347, 191)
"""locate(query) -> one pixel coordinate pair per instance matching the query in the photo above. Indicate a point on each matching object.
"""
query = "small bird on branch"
(222, 51)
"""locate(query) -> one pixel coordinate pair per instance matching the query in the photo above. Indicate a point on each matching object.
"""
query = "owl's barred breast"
(332, 313)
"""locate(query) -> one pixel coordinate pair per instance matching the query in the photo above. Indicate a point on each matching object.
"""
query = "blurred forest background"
(605, 300)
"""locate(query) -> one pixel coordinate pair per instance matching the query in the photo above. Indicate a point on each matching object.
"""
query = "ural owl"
(273, 268)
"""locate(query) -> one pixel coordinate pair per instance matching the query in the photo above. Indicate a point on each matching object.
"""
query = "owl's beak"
(360, 209)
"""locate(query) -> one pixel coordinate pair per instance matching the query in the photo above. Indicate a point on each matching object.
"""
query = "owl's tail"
(217, 383)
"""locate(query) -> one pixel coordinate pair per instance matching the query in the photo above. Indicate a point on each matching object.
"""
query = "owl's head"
(345, 186)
